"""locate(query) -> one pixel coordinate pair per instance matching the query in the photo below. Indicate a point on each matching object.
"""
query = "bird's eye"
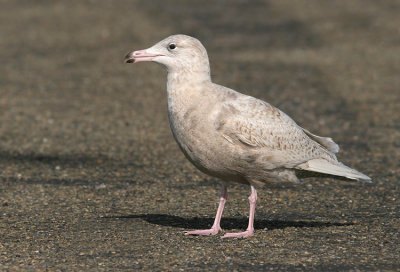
(172, 46)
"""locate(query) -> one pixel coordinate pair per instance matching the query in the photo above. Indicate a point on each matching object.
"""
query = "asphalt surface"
(90, 175)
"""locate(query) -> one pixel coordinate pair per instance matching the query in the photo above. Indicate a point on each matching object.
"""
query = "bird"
(233, 136)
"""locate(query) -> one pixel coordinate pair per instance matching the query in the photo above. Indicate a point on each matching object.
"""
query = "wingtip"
(360, 177)
(366, 180)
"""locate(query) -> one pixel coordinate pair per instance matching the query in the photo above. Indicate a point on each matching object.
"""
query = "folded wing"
(256, 127)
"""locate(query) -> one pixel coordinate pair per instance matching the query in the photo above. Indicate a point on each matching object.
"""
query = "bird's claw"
(244, 234)
(212, 231)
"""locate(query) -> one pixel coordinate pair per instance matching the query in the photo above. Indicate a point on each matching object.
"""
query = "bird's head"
(178, 53)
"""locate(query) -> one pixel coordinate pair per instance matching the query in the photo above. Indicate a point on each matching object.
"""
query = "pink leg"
(250, 229)
(216, 226)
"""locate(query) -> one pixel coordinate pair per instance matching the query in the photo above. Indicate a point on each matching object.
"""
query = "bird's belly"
(197, 142)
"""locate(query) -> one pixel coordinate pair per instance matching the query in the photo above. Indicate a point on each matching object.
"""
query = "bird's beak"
(141, 55)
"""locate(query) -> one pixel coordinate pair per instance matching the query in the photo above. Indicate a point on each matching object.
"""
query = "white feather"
(326, 142)
(339, 169)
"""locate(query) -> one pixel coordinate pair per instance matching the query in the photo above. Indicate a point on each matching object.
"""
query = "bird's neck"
(184, 91)
(183, 80)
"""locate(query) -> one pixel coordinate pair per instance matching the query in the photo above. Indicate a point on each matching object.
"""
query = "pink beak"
(139, 56)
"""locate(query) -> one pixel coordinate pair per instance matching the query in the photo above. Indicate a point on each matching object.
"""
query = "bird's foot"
(211, 231)
(244, 234)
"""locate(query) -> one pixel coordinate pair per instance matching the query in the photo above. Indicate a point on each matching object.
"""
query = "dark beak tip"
(129, 58)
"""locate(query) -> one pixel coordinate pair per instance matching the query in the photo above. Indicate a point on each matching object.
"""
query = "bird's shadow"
(226, 223)
(71, 160)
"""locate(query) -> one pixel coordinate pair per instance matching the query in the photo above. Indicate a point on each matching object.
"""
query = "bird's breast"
(185, 120)
(192, 128)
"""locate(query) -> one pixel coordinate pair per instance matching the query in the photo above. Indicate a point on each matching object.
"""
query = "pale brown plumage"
(233, 136)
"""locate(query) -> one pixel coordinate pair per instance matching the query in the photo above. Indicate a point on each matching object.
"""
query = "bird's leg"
(216, 226)
(250, 229)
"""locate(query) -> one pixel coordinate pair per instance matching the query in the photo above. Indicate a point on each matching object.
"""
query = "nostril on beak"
(139, 53)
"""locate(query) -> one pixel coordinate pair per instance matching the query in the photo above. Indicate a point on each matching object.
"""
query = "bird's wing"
(254, 124)
(337, 169)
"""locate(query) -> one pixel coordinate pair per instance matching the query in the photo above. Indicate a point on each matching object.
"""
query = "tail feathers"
(326, 142)
(323, 166)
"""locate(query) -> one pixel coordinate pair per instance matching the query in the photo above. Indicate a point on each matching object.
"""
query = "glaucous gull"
(232, 136)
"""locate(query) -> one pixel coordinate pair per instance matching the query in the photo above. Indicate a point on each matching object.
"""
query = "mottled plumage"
(233, 136)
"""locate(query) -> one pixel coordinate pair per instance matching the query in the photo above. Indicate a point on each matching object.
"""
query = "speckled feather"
(234, 136)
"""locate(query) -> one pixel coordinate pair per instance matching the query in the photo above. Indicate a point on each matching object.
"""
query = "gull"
(233, 136)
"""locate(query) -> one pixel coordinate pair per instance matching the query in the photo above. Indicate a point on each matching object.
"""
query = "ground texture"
(90, 175)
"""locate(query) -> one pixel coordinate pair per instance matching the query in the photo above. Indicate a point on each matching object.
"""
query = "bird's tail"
(337, 169)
